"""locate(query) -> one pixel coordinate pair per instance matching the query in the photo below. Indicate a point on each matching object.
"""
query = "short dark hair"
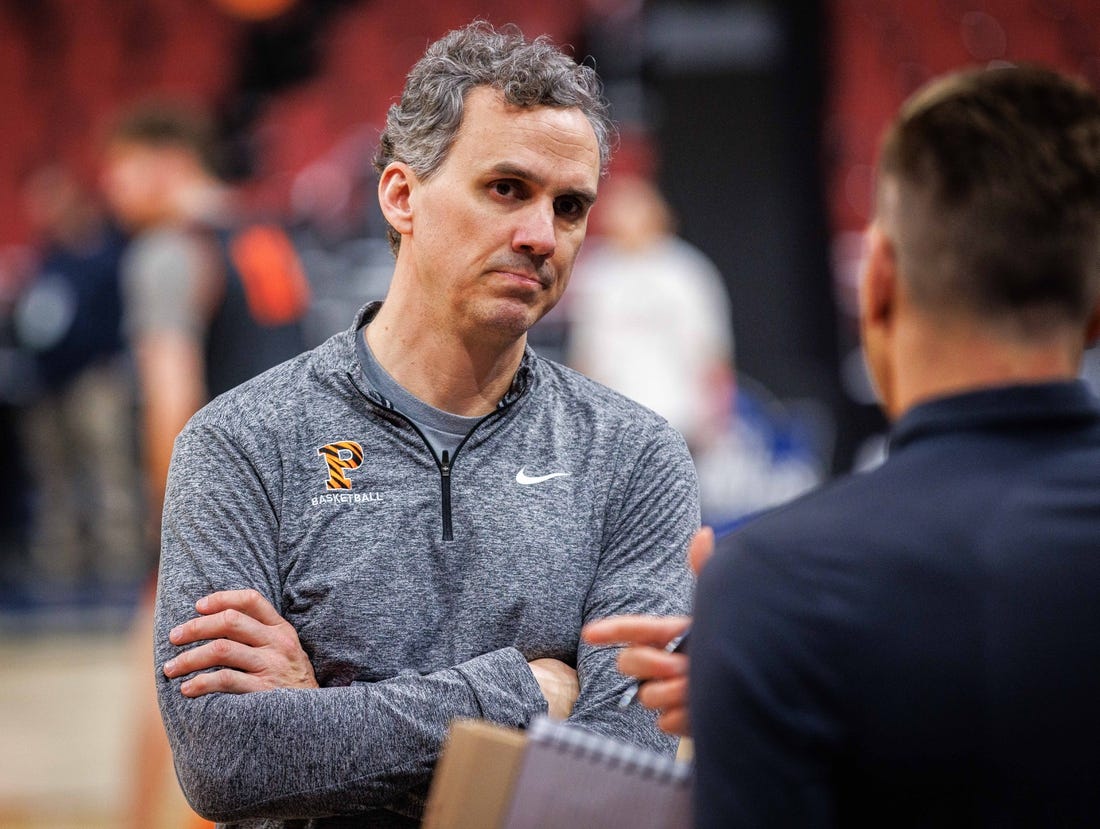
(170, 124)
(998, 187)
(421, 128)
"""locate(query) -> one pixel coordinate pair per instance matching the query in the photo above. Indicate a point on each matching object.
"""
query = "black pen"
(677, 644)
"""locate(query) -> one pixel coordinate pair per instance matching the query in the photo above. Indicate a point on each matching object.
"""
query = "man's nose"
(534, 234)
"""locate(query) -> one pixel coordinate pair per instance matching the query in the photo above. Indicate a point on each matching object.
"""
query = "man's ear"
(879, 285)
(395, 188)
(1092, 330)
(879, 300)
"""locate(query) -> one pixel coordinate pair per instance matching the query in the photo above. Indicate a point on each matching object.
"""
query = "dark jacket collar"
(1051, 405)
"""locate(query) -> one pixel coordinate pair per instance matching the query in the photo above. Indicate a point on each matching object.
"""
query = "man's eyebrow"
(510, 170)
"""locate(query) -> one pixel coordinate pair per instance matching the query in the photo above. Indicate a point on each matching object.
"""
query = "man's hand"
(559, 685)
(662, 675)
(255, 647)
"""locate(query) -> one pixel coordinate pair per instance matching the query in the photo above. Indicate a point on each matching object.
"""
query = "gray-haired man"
(412, 522)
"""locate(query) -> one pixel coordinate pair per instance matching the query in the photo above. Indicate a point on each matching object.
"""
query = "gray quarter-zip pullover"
(419, 589)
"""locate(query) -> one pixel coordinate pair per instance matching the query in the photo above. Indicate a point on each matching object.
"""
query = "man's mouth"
(524, 275)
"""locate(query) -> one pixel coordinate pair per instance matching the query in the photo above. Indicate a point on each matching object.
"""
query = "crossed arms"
(252, 733)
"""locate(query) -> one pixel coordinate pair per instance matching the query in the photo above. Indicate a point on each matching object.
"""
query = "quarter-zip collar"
(445, 462)
(521, 381)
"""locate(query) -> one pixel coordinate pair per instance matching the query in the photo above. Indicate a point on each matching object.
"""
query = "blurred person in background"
(649, 314)
(78, 425)
(210, 300)
(206, 306)
(917, 645)
(16, 510)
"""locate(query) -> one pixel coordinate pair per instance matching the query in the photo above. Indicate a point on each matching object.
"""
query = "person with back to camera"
(411, 523)
(917, 645)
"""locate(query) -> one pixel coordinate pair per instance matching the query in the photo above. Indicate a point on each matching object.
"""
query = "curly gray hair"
(421, 128)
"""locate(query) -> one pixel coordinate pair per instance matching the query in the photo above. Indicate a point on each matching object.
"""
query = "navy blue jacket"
(918, 645)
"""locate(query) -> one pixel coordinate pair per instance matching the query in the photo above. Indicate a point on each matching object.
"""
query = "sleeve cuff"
(504, 688)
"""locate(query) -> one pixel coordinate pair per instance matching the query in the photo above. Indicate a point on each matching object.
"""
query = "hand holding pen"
(655, 653)
(654, 656)
(677, 644)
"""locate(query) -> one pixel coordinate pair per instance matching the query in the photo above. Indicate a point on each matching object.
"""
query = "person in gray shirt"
(411, 523)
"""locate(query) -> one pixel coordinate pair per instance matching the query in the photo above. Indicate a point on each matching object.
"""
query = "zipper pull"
(445, 486)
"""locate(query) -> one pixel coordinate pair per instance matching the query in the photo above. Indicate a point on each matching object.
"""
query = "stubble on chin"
(508, 321)
(505, 319)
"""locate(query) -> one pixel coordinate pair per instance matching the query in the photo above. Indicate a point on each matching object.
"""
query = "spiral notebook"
(571, 778)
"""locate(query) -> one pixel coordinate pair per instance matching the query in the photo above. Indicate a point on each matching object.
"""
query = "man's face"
(132, 180)
(496, 229)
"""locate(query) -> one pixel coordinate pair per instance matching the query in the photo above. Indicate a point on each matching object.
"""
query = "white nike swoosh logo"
(527, 480)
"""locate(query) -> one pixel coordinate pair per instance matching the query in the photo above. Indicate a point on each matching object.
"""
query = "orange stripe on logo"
(340, 457)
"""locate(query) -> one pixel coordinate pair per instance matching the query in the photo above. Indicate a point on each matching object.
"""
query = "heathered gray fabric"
(406, 631)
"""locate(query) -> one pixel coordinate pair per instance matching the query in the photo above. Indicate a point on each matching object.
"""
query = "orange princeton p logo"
(341, 456)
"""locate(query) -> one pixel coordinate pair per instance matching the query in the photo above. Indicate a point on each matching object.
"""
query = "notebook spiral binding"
(610, 753)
